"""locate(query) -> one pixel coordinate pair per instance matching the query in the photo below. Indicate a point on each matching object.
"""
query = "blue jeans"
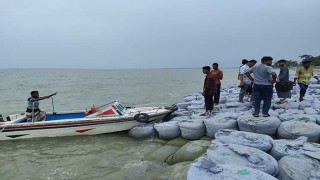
(303, 89)
(262, 93)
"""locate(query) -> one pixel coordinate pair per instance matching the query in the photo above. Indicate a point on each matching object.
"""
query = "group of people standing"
(258, 82)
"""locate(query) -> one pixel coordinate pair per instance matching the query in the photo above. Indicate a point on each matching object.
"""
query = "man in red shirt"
(218, 74)
(209, 89)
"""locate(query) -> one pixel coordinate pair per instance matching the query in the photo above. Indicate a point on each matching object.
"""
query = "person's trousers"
(217, 94)
(262, 93)
(243, 91)
(208, 100)
(303, 89)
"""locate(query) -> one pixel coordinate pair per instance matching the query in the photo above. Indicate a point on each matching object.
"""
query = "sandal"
(255, 115)
(266, 115)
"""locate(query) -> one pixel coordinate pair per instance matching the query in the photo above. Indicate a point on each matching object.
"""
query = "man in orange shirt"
(218, 74)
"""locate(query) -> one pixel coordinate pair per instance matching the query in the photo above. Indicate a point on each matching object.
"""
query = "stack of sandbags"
(161, 154)
(205, 169)
(192, 129)
(142, 131)
(294, 129)
(189, 152)
(168, 130)
(243, 156)
(260, 125)
(223, 121)
(296, 167)
(259, 141)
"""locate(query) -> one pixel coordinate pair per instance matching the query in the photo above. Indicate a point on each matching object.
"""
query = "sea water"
(88, 157)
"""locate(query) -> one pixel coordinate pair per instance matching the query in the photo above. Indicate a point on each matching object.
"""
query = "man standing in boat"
(209, 89)
(33, 110)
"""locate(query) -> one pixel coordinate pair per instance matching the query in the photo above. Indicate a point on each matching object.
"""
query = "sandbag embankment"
(243, 156)
(260, 125)
(259, 141)
(168, 130)
(221, 121)
(296, 167)
(192, 129)
(295, 129)
(189, 152)
(206, 169)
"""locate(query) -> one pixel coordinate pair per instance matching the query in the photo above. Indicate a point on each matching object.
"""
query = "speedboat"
(108, 118)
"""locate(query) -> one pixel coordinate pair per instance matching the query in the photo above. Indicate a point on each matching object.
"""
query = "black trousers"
(217, 95)
(208, 100)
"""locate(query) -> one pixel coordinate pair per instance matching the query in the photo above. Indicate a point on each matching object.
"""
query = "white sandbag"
(205, 169)
(294, 111)
(194, 107)
(243, 156)
(197, 116)
(313, 81)
(196, 102)
(304, 104)
(278, 106)
(233, 104)
(142, 131)
(260, 125)
(317, 119)
(273, 113)
(298, 117)
(183, 105)
(316, 105)
(314, 86)
(310, 111)
(292, 105)
(298, 167)
(214, 124)
(168, 130)
(294, 129)
(181, 112)
(192, 130)
(259, 141)
(181, 118)
(190, 98)
(284, 147)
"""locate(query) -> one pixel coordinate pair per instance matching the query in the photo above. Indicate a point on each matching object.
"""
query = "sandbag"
(192, 130)
(296, 167)
(298, 117)
(161, 154)
(292, 105)
(181, 118)
(213, 125)
(294, 129)
(294, 111)
(196, 102)
(243, 156)
(194, 107)
(178, 171)
(181, 112)
(259, 141)
(179, 141)
(233, 104)
(304, 104)
(168, 130)
(189, 152)
(310, 111)
(260, 125)
(205, 169)
(191, 98)
(142, 131)
(314, 86)
(283, 147)
(183, 105)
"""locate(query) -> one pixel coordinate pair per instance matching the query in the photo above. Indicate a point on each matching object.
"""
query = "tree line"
(315, 61)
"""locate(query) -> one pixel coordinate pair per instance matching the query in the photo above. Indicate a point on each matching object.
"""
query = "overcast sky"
(154, 33)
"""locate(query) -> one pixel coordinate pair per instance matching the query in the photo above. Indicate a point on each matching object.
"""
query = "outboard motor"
(1, 118)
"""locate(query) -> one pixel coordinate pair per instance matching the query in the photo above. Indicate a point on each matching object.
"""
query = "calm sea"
(88, 157)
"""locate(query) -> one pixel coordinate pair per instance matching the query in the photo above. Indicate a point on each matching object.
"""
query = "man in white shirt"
(245, 82)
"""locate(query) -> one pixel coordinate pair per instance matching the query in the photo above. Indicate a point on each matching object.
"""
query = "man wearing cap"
(303, 76)
(283, 78)
(264, 78)
(245, 82)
